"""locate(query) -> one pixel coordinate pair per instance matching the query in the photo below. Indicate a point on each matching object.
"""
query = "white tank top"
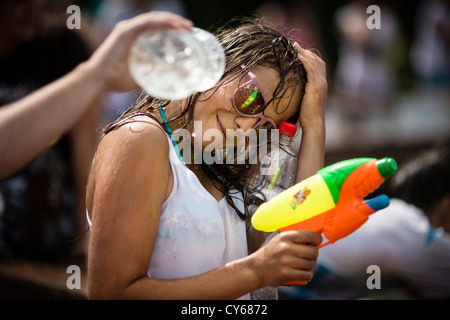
(196, 232)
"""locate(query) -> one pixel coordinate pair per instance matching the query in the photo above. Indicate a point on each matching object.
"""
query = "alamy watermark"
(374, 280)
(374, 20)
(74, 280)
(231, 147)
(74, 20)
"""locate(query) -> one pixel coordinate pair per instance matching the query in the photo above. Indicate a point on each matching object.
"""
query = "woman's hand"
(312, 115)
(290, 255)
(110, 60)
(312, 112)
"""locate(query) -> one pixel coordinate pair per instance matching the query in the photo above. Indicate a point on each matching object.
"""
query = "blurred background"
(388, 88)
(388, 96)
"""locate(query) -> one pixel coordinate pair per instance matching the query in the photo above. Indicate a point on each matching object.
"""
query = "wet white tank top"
(196, 232)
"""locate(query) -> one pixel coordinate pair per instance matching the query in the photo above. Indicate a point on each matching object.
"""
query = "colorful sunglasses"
(250, 101)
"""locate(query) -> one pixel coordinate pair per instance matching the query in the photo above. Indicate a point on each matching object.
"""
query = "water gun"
(330, 202)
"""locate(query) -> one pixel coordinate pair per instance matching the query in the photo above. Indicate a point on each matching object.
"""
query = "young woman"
(164, 226)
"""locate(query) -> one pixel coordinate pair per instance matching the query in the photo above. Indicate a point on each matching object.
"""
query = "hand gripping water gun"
(330, 202)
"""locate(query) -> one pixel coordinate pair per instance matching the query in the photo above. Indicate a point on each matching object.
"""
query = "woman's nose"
(245, 123)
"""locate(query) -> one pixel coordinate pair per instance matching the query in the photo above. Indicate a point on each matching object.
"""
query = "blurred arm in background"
(49, 112)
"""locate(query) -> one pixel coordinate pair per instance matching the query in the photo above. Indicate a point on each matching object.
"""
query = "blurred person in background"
(365, 79)
(364, 75)
(430, 53)
(409, 241)
(40, 204)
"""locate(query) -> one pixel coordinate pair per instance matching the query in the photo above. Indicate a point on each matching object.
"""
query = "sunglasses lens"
(249, 100)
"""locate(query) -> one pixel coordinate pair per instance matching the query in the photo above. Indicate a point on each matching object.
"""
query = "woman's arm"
(281, 260)
(312, 116)
(129, 183)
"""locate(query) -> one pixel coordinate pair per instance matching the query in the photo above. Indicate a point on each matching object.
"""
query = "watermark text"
(74, 20)
(374, 20)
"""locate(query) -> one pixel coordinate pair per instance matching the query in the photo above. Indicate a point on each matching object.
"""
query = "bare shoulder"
(135, 155)
(140, 138)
